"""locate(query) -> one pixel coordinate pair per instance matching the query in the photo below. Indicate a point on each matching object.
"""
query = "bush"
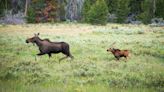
(31, 15)
(147, 13)
(86, 7)
(122, 10)
(98, 13)
(160, 9)
(32, 72)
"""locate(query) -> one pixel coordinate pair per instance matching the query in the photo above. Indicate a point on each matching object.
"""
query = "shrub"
(160, 9)
(86, 7)
(31, 15)
(122, 10)
(147, 13)
(32, 72)
(98, 13)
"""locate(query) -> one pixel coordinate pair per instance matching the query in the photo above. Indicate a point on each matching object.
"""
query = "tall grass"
(93, 69)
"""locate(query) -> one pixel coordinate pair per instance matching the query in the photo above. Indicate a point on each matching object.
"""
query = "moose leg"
(63, 58)
(39, 54)
(49, 54)
(71, 57)
(117, 57)
(126, 58)
(67, 52)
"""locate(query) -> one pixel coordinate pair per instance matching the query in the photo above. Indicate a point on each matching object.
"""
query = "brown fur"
(48, 47)
(119, 53)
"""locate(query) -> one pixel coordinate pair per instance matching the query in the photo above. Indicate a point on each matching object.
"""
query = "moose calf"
(118, 53)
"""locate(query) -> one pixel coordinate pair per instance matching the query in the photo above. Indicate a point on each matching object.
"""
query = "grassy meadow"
(93, 68)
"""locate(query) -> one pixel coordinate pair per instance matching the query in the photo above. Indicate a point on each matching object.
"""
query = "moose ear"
(35, 34)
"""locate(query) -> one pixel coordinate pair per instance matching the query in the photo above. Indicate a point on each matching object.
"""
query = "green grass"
(93, 69)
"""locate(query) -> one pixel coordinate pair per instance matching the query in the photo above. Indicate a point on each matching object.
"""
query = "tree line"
(87, 11)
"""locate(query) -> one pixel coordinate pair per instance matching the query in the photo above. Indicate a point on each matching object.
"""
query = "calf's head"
(109, 50)
(33, 39)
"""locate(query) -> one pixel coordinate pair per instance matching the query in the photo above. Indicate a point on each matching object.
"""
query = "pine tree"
(147, 14)
(98, 13)
(31, 15)
(160, 9)
(86, 7)
(122, 10)
(135, 6)
(61, 9)
(112, 5)
(4, 5)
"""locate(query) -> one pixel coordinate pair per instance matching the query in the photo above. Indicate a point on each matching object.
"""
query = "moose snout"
(107, 50)
(27, 41)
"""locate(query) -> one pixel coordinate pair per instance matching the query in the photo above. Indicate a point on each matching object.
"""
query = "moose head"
(33, 39)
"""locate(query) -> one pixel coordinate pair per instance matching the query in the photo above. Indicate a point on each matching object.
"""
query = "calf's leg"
(117, 57)
(126, 58)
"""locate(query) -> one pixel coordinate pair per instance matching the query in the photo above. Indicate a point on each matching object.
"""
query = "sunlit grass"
(93, 69)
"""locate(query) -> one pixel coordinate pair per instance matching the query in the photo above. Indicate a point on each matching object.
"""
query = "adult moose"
(48, 47)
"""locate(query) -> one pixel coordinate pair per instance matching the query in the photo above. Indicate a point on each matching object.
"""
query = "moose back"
(48, 47)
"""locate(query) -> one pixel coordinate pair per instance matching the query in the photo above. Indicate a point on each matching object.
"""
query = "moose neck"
(38, 42)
